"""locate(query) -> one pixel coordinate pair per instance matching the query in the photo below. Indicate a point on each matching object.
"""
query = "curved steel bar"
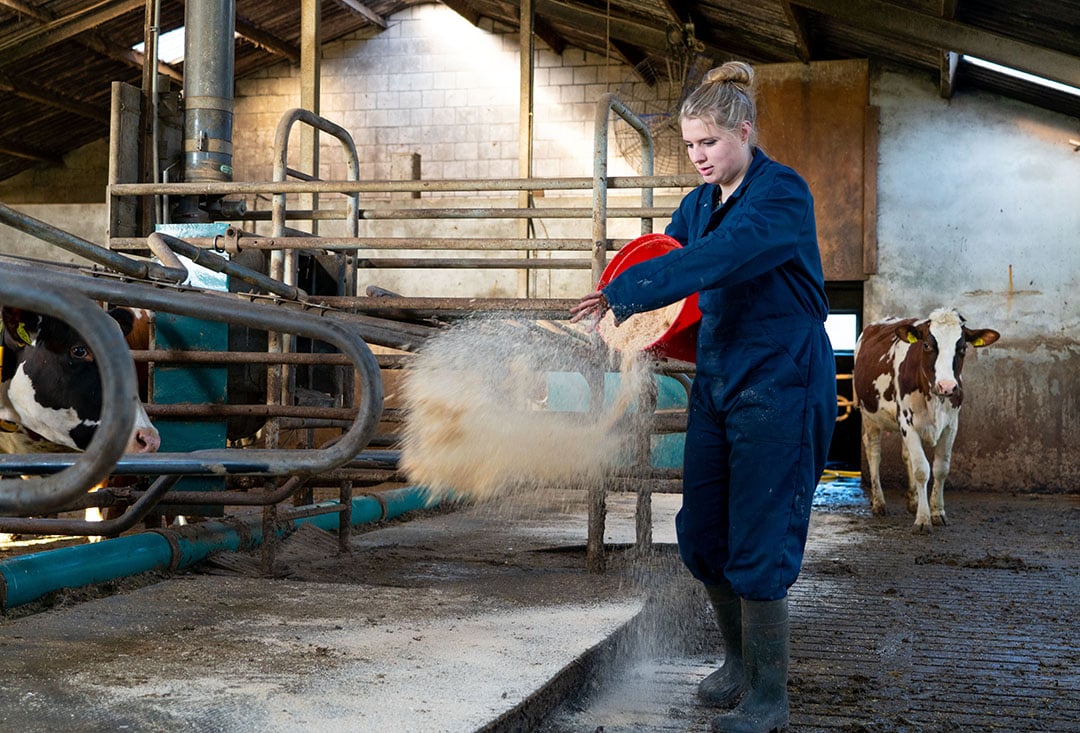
(108, 527)
(87, 249)
(232, 309)
(22, 287)
(281, 149)
(173, 245)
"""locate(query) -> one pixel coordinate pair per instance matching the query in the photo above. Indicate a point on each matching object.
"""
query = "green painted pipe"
(28, 577)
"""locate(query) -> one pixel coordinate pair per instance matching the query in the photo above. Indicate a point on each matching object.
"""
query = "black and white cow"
(50, 390)
(907, 377)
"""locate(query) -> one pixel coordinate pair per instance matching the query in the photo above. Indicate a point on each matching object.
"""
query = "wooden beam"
(629, 54)
(365, 11)
(267, 41)
(949, 61)
(801, 30)
(894, 20)
(127, 56)
(464, 9)
(49, 98)
(620, 29)
(38, 156)
(24, 8)
(677, 11)
(110, 50)
(549, 35)
(59, 30)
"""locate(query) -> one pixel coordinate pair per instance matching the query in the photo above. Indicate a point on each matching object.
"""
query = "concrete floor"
(484, 619)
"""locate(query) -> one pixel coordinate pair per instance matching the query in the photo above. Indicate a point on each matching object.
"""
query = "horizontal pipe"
(352, 243)
(222, 188)
(564, 212)
(89, 250)
(29, 577)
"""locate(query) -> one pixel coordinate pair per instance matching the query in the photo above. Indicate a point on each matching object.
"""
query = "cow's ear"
(907, 333)
(21, 325)
(124, 317)
(981, 337)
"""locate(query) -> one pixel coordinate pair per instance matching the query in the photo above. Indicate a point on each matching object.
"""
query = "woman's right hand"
(593, 304)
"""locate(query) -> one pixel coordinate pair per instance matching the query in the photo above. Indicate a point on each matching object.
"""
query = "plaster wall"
(977, 209)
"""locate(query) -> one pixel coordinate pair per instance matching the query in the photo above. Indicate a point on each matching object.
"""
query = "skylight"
(1022, 75)
(170, 46)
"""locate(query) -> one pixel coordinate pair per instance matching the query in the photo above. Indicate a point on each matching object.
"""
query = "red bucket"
(679, 340)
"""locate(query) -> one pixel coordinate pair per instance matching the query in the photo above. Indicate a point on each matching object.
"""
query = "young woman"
(763, 402)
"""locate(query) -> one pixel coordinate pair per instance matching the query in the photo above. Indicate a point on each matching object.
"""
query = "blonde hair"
(725, 98)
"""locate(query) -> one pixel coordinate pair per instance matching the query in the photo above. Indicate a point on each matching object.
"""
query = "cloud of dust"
(477, 420)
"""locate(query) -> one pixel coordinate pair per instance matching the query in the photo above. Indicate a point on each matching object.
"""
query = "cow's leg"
(919, 474)
(912, 485)
(942, 459)
(871, 439)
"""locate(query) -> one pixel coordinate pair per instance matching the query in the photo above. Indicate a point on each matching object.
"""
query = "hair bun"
(736, 72)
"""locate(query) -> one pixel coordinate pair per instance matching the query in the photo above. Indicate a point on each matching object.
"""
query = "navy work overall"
(763, 403)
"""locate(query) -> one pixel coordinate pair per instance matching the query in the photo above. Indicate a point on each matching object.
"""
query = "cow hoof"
(939, 520)
(918, 528)
(878, 510)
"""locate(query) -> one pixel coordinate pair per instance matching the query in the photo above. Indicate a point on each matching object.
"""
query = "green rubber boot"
(764, 707)
(723, 687)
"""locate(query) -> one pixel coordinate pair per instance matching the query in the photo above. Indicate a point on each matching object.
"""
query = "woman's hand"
(593, 304)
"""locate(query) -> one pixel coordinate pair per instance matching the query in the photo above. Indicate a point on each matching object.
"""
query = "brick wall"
(434, 84)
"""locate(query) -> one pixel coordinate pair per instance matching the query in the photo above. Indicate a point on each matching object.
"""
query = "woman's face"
(720, 156)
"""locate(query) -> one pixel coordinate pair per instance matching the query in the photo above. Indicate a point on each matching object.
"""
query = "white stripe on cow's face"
(947, 330)
(52, 424)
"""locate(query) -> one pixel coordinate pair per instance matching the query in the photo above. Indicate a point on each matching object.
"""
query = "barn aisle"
(972, 628)
(484, 619)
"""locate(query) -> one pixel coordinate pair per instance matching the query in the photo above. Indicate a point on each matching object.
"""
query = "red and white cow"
(907, 377)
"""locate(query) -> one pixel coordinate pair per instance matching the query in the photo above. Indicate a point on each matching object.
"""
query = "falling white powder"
(640, 330)
(477, 422)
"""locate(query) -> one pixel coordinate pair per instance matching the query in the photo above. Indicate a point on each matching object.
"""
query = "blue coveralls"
(763, 404)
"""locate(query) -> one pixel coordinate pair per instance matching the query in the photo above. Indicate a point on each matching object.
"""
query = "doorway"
(844, 325)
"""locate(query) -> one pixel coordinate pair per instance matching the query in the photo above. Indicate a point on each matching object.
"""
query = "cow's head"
(941, 341)
(52, 381)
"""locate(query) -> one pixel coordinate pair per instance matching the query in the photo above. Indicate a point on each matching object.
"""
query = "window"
(170, 46)
(843, 331)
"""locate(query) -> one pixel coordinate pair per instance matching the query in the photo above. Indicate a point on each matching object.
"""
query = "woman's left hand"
(593, 304)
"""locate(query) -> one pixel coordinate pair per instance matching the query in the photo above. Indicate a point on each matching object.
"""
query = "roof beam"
(28, 154)
(113, 51)
(56, 31)
(620, 29)
(889, 19)
(364, 10)
(950, 60)
(464, 9)
(550, 36)
(49, 98)
(801, 30)
(21, 7)
(265, 40)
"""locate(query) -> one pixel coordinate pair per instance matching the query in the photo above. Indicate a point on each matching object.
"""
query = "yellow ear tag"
(977, 342)
(23, 335)
(911, 338)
